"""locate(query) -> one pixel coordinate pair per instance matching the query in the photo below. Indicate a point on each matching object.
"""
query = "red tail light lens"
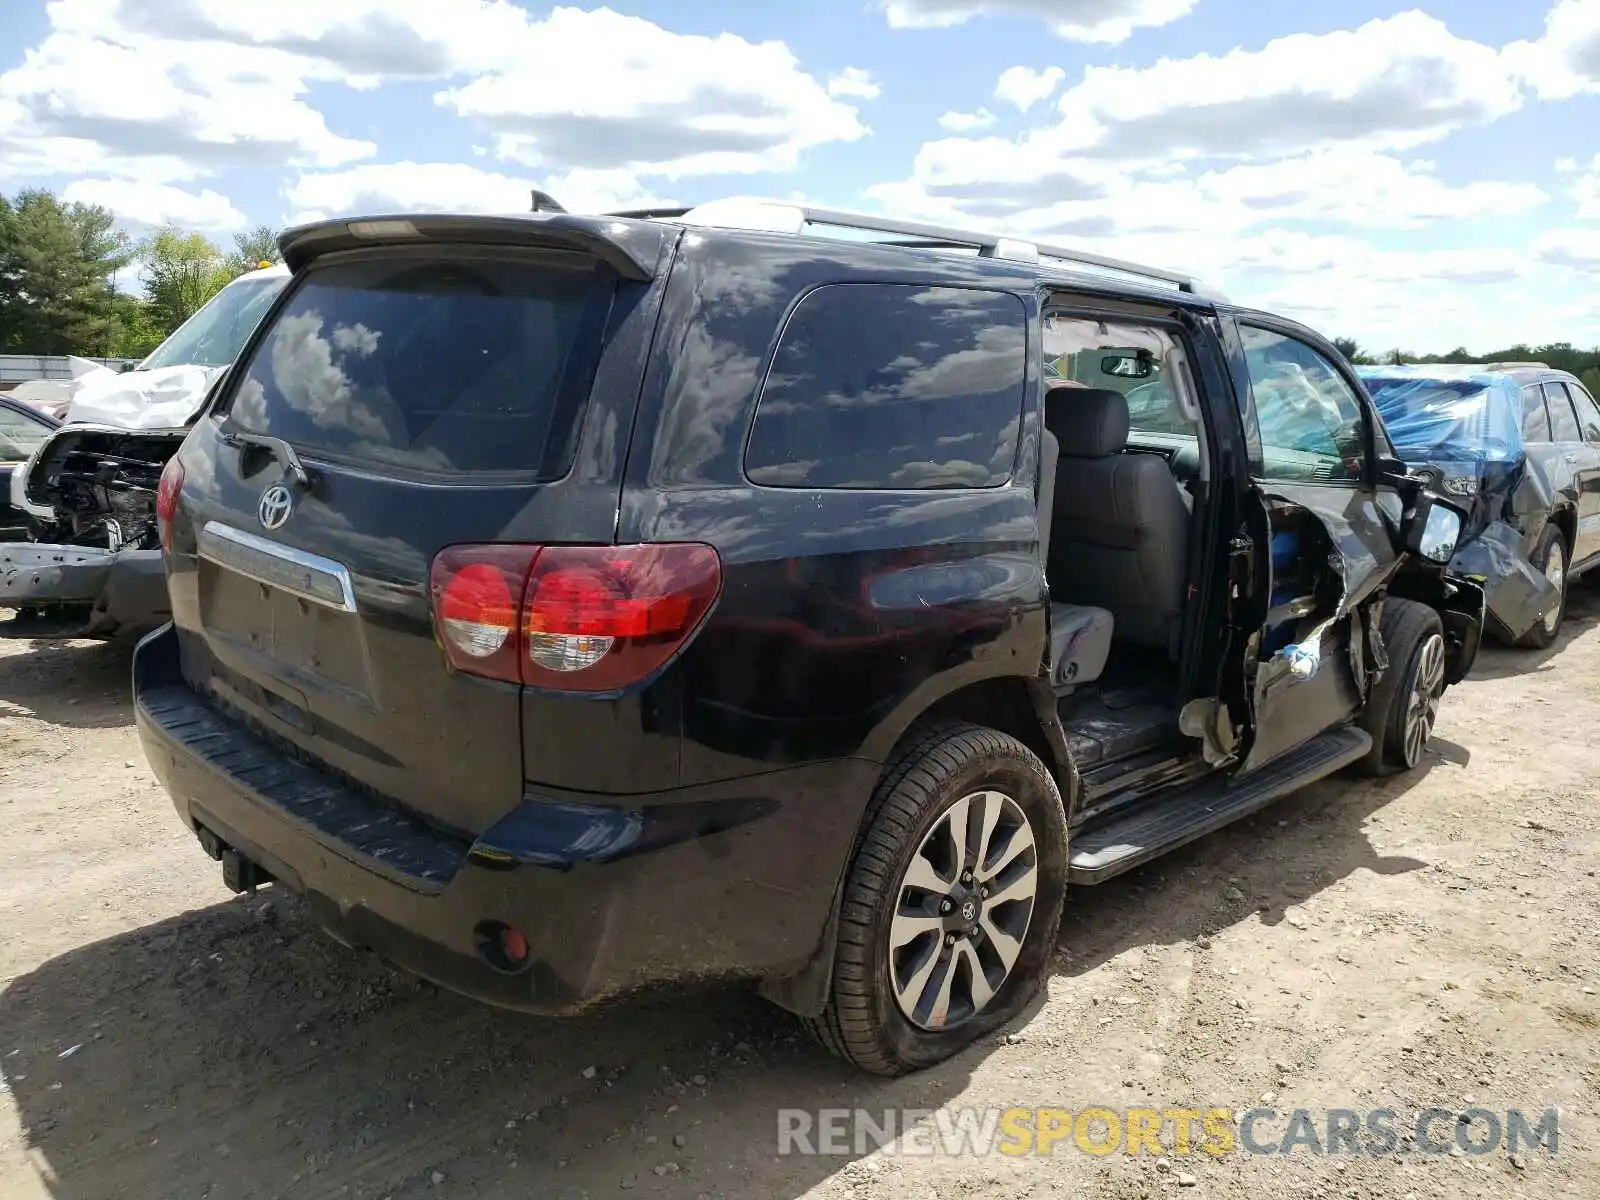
(168, 493)
(477, 607)
(583, 618)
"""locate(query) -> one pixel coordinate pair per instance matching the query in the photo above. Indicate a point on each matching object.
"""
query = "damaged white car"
(90, 491)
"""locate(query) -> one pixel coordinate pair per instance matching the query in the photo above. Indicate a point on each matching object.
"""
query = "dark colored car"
(23, 429)
(1519, 445)
(565, 604)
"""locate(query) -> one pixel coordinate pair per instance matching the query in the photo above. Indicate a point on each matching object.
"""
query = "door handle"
(1571, 458)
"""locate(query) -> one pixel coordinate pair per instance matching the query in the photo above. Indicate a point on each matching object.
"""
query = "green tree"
(1591, 380)
(180, 272)
(136, 333)
(1348, 347)
(8, 283)
(58, 264)
(252, 249)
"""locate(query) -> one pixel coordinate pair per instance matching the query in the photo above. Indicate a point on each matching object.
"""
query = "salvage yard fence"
(20, 368)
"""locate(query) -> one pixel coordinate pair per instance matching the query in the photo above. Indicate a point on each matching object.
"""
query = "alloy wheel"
(962, 910)
(1555, 570)
(1422, 705)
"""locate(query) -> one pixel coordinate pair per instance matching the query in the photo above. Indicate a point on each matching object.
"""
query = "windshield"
(1458, 419)
(214, 336)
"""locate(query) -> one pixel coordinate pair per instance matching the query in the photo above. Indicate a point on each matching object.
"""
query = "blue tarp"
(1436, 414)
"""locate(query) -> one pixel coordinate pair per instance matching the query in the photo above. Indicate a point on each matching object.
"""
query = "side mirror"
(1434, 528)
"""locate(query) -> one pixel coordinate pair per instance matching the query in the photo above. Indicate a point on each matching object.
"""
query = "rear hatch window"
(432, 364)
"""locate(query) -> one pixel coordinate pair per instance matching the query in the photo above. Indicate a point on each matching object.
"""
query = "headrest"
(1087, 422)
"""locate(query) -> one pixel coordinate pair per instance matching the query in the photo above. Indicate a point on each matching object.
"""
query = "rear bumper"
(611, 895)
(123, 592)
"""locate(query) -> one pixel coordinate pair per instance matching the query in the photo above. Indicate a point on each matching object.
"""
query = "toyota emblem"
(276, 504)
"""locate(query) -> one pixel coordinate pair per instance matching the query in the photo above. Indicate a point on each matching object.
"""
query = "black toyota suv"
(567, 604)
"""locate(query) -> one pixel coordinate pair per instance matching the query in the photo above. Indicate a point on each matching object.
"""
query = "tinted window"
(1535, 421)
(893, 386)
(470, 364)
(1563, 424)
(20, 436)
(1309, 418)
(1588, 414)
(1143, 362)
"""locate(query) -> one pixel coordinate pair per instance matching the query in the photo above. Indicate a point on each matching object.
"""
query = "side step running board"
(1100, 853)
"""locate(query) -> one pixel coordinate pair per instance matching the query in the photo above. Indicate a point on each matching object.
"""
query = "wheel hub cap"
(1555, 570)
(1422, 705)
(962, 910)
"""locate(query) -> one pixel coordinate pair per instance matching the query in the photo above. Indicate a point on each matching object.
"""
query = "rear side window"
(459, 364)
(1535, 421)
(893, 386)
(1588, 414)
(1563, 424)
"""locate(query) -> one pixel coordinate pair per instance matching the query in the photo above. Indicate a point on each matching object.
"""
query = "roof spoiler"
(633, 251)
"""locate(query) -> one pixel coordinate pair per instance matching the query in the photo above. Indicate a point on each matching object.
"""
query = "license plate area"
(295, 609)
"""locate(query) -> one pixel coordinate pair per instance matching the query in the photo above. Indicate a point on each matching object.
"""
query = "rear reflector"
(168, 492)
(571, 618)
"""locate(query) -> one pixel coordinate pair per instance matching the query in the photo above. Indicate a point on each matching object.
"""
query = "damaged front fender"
(1516, 593)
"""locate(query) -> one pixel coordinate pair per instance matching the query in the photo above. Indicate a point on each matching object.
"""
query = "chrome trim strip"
(309, 576)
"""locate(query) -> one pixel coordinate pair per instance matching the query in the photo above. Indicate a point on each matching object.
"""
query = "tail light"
(570, 618)
(168, 493)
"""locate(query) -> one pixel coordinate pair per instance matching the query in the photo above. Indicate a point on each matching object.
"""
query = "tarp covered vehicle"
(93, 565)
(1483, 437)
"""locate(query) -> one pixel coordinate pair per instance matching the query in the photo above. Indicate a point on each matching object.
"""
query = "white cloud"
(1105, 21)
(853, 81)
(78, 105)
(172, 90)
(456, 187)
(964, 122)
(1024, 87)
(985, 181)
(1578, 249)
(663, 103)
(359, 41)
(153, 204)
(1389, 84)
(1585, 190)
(1564, 62)
(1421, 300)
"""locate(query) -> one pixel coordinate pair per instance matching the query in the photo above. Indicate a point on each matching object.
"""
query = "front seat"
(1119, 532)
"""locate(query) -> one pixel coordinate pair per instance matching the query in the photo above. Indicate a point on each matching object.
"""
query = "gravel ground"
(1429, 941)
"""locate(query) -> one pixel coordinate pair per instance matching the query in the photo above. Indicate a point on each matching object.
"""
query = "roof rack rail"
(1514, 366)
(646, 214)
(792, 216)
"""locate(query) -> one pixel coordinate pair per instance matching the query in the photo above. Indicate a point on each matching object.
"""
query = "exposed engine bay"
(96, 486)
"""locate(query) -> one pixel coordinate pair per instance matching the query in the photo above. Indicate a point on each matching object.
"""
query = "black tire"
(1544, 633)
(1412, 636)
(863, 1022)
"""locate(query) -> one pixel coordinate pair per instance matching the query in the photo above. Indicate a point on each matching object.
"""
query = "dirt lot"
(1430, 941)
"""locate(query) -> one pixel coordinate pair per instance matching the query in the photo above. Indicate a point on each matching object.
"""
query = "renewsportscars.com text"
(1163, 1131)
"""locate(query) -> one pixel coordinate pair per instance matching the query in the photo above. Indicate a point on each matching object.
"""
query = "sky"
(1422, 176)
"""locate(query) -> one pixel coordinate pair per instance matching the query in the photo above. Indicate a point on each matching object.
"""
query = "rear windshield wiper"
(278, 448)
